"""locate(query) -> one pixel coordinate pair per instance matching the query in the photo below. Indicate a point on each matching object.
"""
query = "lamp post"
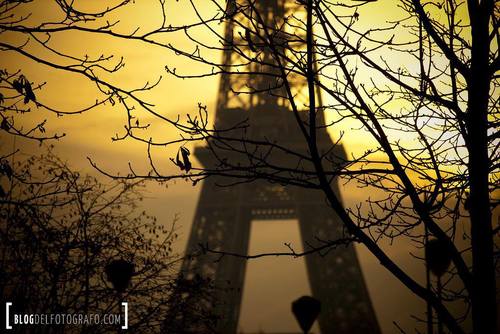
(306, 309)
(119, 273)
(438, 258)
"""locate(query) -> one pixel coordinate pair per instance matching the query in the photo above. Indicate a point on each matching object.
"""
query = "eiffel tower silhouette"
(224, 214)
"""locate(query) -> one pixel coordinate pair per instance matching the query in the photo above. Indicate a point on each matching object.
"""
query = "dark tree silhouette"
(69, 242)
(432, 119)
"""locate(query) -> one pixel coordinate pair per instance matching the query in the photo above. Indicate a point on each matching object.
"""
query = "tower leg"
(221, 223)
(335, 277)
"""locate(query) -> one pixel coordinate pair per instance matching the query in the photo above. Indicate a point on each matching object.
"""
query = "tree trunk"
(483, 294)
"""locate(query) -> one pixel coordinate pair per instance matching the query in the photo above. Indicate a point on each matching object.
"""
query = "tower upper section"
(265, 52)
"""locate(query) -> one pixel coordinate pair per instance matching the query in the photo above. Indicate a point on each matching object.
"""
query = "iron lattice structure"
(224, 214)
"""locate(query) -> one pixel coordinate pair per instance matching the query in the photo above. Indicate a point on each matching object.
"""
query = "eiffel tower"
(224, 214)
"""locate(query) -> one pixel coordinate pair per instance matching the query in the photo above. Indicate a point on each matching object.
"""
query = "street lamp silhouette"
(306, 309)
(438, 258)
(119, 273)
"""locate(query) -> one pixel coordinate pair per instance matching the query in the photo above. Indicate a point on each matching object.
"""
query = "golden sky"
(89, 135)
